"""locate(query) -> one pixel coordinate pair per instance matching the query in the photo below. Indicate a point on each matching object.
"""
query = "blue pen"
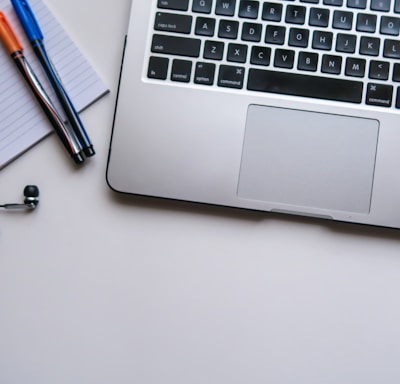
(35, 36)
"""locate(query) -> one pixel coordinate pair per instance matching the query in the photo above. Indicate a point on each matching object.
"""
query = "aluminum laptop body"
(278, 106)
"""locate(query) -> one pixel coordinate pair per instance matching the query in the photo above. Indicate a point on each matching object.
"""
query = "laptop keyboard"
(341, 50)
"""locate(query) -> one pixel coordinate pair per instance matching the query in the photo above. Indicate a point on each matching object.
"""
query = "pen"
(14, 47)
(35, 36)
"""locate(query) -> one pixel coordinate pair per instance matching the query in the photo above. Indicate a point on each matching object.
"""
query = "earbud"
(31, 199)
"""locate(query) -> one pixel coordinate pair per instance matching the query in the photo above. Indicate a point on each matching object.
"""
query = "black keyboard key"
(284, 58)
(305, 85)
(298, 37)
(359, 4)
(319, 17)
(396, 72)
(249, 9)
(392, 49)
(337, 3)
(237, 53)
(355, 67)
(178, 5)
(260, 56)
(213, 50)
(231, 77)
(379, 70)
(398, 98)
(202, 6)
(172, 45)
(275, 34)
(225, 7)
(346, 43)
(331, 64)
(272, 12)
(172, 22)
(204, 73)
(397, 6)
(390, 26)
(380, 5)
(228, 29)
(366, 23)
(205, 26)
(181, 71)
(322, 40)
(308, 61)
(342, 20)
(369, 46)
(251, 32)
(158, 68)
(379, 95)
(295, 14)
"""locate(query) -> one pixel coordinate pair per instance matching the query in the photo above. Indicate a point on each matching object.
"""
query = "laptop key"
(228, 29)
(181, 70)
(380, 5)
(295, 14)
(286, 83)
(202, 6)
(213, 50)
(337, 3)
(237, 53)
(204, 73)
(170, 22)
(360, 4)
(178, 5)
(379, 70)
(172, 45)
(392, 49)
(158, 68)
(225, 7)
(249, 9)
(205, 26)
(231, 77)
(355, 67)
(379, 95)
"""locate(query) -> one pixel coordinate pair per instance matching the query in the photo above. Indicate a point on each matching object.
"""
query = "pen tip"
(89, 151)
(78, 158)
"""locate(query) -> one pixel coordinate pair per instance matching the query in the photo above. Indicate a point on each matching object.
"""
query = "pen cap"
(27, 19)
(8, 35)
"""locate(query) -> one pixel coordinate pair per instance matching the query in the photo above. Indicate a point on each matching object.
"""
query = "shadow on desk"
(344, 228)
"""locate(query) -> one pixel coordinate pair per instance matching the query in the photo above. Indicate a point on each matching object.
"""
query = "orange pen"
(15, 49)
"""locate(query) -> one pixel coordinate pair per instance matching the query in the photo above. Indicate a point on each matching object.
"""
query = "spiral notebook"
(22, 122)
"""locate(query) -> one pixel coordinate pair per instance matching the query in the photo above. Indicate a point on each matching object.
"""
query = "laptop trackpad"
(308, 159)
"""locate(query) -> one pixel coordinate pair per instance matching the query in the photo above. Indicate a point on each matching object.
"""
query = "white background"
(96, 288)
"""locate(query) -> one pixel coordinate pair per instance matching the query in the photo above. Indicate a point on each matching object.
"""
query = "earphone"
(31, 199)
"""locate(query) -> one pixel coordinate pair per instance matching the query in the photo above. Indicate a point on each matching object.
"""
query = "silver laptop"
(281, 106)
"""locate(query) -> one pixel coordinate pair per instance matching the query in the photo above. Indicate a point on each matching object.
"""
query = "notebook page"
(22, 121)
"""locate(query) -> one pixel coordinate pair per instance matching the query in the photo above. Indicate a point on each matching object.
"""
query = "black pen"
(15, 49)
(35, 36)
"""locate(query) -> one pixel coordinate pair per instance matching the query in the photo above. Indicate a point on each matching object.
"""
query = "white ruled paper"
(22, 121)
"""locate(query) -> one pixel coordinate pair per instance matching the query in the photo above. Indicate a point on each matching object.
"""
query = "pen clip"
(8, 35)
(28, 20)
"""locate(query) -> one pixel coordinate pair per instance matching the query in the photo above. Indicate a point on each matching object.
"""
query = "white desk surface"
(100, 289)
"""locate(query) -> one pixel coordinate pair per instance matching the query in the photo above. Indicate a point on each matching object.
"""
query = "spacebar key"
(305, 85)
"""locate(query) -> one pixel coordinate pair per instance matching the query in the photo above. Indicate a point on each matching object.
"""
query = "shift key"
(172, 45)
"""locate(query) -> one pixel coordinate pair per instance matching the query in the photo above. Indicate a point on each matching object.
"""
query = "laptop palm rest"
(307, 159)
